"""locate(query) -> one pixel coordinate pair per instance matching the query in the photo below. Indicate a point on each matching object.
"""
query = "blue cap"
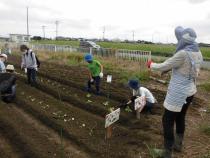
(134, 84)
(88, 57)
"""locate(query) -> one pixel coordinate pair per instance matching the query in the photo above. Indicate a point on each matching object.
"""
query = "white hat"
(3, 55)
(10, 67)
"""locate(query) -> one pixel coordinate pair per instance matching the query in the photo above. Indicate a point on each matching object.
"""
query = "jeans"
(168, 120)
(97, 81)
(148, 107)
(31, 75)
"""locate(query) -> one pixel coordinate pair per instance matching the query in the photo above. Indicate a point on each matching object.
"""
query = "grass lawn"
(157, 49)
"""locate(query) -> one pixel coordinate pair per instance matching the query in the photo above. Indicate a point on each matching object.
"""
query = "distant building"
(61, 38)
(4, 39)
(19, 38)
(116, 40)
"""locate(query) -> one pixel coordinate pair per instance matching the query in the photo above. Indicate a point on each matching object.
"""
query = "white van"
(88, 44)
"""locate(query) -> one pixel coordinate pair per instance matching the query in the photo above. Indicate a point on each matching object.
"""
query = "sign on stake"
(109, 120)
(109, 78)
(139, 105)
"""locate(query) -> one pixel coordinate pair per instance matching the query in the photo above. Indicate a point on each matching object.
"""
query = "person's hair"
(24, 47)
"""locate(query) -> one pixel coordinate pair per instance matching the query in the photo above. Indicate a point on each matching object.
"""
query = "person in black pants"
(95, 71)
(31, 76)
(169, 118)
(96, 80)
(140, 91)
(29, 63)
(185, 65)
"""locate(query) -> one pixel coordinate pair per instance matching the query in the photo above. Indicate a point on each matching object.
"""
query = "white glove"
(36, 69)
(22, 66)
(101, 75)
(25, 69)
(91, 80)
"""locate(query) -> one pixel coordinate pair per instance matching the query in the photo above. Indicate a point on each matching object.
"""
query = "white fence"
(134, 55)
(137, 55)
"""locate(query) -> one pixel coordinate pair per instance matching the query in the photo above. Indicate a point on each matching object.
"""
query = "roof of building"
(2, 37)
(19, 34)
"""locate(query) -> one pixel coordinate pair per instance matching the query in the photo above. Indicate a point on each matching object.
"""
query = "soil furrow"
(6, 149)
(85, 130)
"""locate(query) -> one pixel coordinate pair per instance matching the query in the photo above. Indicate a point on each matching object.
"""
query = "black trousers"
(10, 94)
(97, 81)
(31, 75)
(169, 119)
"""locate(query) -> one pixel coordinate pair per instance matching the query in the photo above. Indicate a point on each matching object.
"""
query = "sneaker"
(88, 90)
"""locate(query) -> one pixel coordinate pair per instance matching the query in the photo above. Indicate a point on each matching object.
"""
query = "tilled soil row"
(50, 143)
(26, 139)
(95, 107)
(77, 81)
(81, 127)
(76, 76)
(6, 149)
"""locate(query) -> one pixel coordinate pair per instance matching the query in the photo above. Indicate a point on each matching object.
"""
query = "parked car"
(88, 44)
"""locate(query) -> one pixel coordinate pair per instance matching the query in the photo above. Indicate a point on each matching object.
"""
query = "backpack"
(37, 60)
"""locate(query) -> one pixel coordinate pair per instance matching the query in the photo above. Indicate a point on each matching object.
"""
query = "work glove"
(101, 75)
(36, 69)
(22, 67)
(133, 98)
(149, 63)
(123, 105)
(25, 70)
(91, 80)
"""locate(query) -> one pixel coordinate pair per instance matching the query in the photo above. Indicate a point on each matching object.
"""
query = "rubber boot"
(178, 143)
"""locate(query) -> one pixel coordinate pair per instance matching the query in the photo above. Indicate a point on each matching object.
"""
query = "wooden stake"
(109, 132)
(138, 114)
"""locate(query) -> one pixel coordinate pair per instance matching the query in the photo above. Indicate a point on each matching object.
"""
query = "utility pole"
(104, 32)
(43, 29)
(56, 28)
(133, 35)
(27, 23)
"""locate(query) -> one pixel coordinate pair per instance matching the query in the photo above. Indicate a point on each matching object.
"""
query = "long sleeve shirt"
(185, 67)
(29, 60)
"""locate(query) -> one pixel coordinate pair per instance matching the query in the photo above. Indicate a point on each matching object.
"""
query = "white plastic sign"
(112, 117)
(139, 103)
(109, 78)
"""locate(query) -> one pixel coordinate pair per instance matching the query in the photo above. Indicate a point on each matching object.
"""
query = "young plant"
(127, 109)
(154, 152)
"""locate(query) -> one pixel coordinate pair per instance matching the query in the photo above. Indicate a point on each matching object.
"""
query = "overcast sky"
(149, 19)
